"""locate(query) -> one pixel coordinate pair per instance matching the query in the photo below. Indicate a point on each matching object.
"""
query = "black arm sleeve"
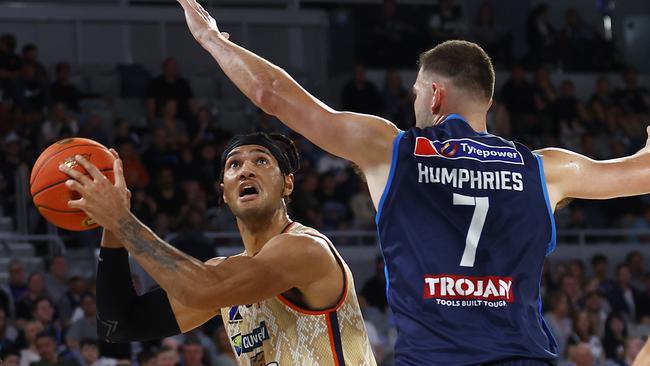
(122, 315)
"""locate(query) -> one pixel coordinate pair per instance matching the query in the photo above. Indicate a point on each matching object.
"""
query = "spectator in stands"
(47, 350)
(570, 286)
(615, 336)
(169, 85)
(191, 239)
(207, 129)
(93, 127)
(397, 100)
(27, 343)
(593, 304)
(577, 43)
(518, 95)
(193, 353)
(143, 206)
(600, 267)
(581, 355)
(10, 357)
(86, 327)
(8, 333)
(602, 100)
(558, 320)
(540, 35)
(71, 299)
(363, 210)
(360, 94)
(305, 206)
(30, 56)
(35, 291)
(30, 92)
(10, 62)
(175, 128)
(167, 356)
(43, 310)
(373, 291)
(56, 279)
(90, 356)
(147, 358)
(584, 332)
(159, 155)
(633, 98)
(622, 296)
(635, 263)
(62, 90)
(135, 172)
(447, 22)
(226, 355)
(169, 198)
(59, 125)
(490, 35)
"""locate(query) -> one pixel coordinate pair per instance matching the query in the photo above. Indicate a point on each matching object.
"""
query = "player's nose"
(247, 170)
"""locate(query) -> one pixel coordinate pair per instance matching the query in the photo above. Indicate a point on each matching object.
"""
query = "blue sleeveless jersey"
(465, 224)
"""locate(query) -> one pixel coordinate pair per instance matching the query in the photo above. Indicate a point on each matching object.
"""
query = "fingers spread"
(118, 173)
(90, 168)
(79, 176)
(75, 186)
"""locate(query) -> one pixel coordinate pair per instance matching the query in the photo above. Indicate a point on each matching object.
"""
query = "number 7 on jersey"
(481, 204)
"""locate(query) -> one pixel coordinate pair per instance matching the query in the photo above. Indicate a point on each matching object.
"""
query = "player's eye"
(233, 164)
(262, 161)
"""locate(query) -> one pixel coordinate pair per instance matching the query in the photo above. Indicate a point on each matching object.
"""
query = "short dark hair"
(465, 63)
(28, 48)
(598, 258)
(89, 342)
(46, 334)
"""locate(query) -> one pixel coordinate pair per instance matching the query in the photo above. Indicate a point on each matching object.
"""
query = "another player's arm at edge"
(195, 291)
(363, 139)
(572, 175)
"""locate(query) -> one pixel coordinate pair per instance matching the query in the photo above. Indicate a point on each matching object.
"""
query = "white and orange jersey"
(278, 332)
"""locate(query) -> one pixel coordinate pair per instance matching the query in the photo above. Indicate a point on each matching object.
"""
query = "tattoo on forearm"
(142, 243)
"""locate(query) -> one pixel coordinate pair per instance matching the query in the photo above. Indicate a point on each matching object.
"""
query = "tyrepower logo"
(450, 287)
(467, 149)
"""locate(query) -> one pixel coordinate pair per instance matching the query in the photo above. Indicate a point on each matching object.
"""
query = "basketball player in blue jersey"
(465, 217)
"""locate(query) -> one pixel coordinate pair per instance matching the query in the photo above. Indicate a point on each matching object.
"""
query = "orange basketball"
(47, 182)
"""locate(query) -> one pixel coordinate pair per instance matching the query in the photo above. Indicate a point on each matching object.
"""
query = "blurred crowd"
(598, 313)
(392, 35)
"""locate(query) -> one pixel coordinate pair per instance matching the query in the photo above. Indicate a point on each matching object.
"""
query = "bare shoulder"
(298, 244)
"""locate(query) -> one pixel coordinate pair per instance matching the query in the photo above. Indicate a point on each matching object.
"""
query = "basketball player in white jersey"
(288, 299)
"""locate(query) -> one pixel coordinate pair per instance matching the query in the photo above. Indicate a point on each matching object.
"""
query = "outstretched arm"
(364, 139)
(571, 175)
(285, 262)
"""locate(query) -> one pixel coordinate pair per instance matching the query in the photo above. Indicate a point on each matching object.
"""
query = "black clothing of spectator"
(360, 95)
(62, 90)
(167, 86)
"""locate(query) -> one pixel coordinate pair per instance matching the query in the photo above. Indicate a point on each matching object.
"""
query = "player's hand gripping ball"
(47, 182)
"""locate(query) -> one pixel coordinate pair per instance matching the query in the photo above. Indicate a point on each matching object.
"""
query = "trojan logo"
(71, 162)
(466, 149)
(453, 287)
(88, 221)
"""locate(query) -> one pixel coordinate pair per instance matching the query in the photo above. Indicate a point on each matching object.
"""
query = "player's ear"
(437, 94)
(222, 191)
(288, 185)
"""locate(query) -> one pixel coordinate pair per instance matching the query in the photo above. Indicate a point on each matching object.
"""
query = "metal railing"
(565, 237)
(55, 245)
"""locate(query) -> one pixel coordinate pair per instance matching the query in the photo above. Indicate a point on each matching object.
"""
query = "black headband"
(287, 162)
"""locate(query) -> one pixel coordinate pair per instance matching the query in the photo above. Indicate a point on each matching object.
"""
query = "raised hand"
(199, 21)
(106, 203)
